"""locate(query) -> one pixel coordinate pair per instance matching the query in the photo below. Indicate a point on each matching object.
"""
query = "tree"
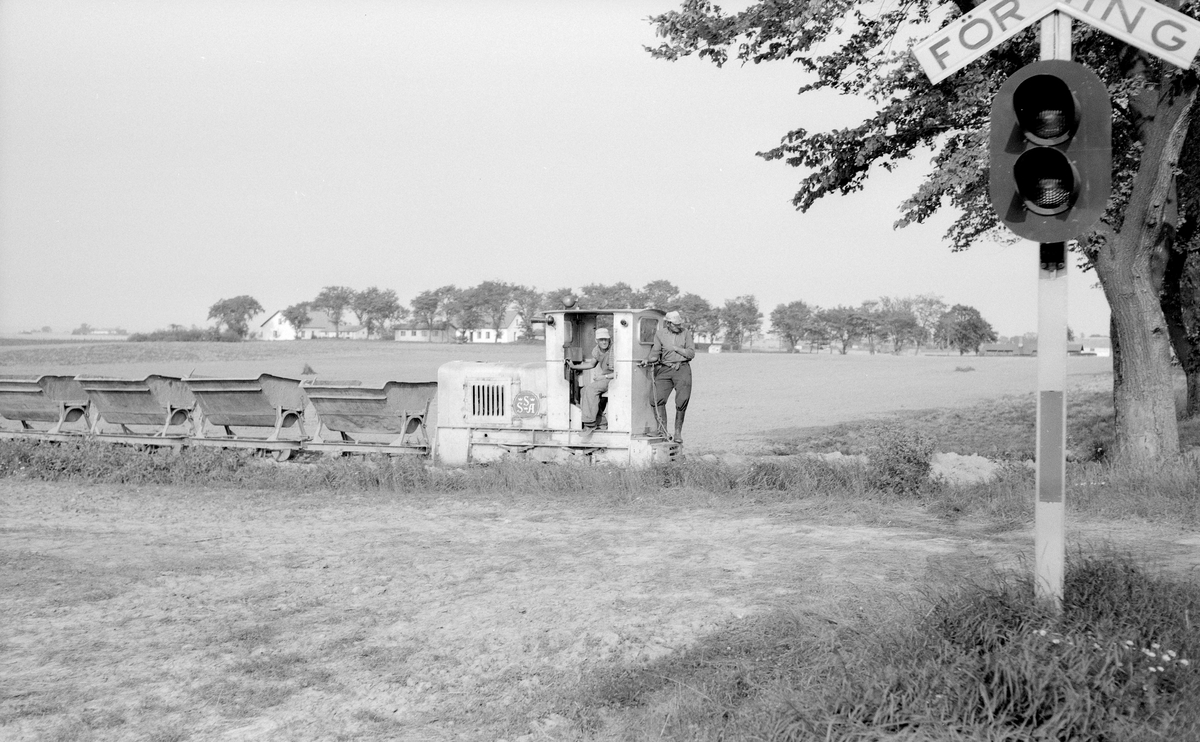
(1181, 278)
(841, 325)
(792, 322)
(928, 309)
(527, 301)
(818, 332)
(698, 313)
(431, 307)
(235, 313)
(490, 301)
(297, 316)
(599, 296)
(334, 301)
(461, 310)
(740, 317)
(856, 48)
(658, 294)
(868, 321)
(902, 327)
(374, 307)
(966, 330)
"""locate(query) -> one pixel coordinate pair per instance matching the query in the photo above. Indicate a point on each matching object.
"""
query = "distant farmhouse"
(275, 327)
(1098, 345)
(512, 329)
(423, 333)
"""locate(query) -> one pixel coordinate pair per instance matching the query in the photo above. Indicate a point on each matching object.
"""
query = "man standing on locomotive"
(602, 361)
(672, 353)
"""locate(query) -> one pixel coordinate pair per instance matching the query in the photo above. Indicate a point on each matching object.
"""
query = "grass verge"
(979, 661)
(1164, 492)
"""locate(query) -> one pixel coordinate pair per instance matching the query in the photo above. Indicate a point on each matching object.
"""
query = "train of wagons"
(484, 411)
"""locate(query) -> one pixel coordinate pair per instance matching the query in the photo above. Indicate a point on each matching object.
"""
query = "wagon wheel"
(282, 454)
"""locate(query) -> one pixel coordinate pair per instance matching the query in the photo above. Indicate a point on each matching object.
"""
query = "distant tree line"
(898, 323)
(486, 305)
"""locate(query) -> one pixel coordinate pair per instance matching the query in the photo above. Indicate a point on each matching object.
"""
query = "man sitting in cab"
(602, 361)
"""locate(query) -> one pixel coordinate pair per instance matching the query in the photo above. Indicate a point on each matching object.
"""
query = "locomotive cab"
(487, 411)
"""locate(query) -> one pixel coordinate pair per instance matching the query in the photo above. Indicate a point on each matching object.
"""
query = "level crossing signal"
(1051, 151)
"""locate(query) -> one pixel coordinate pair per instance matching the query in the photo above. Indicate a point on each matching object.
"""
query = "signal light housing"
(1051, 151)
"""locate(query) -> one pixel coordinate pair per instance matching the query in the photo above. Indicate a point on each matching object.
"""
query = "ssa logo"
(527, 404)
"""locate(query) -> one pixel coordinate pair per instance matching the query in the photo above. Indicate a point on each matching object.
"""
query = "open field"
(211, 613)
(739, 400)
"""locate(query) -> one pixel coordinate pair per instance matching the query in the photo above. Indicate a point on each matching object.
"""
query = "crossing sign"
(974, 34)
(1150, 26)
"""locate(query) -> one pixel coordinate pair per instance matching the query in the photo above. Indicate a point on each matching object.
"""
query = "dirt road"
(168, 614)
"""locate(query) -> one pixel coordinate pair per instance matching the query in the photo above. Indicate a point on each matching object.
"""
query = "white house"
(423, 333)
(512, 328)
(1097, 346)
(274, 327)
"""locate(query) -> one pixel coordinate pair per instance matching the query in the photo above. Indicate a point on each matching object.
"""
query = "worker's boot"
(660, 419)
(679, 426)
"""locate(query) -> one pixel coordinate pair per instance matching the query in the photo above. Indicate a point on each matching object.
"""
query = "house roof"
(319, 320)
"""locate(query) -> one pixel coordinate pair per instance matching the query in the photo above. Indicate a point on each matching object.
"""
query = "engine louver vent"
(489, 400)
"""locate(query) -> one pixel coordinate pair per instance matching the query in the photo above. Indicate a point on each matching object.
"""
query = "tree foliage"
(619, 295)
(432, 307)
(792, 322)
(375, 307)
(235, 313)
(527, 301)
(964, 329)
(334, 301)
(297, 315)
(659, 294)
(841, 326)
(698, 312)
(489, 301)
(740, 318)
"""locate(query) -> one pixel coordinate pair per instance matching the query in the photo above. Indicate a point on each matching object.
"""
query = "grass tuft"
(900, 458)
(980, 660)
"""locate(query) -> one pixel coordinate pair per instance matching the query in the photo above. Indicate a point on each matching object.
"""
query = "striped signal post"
(1049, 540)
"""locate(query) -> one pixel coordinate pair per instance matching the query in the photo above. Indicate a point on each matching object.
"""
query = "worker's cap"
(603, 334)
(675, 318)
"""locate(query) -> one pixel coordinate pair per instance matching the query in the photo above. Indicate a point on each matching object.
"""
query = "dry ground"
(170, 615)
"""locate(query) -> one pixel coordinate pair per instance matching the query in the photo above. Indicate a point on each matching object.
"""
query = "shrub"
(900, 458)
(186, 335)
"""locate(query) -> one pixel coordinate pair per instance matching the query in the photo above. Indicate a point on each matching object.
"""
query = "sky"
(159, 155)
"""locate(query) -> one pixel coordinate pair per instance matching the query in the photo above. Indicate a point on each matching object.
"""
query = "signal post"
(1050, 507)
(1049, 182)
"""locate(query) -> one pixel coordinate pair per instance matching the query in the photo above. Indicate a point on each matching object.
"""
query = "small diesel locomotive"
(488, 411)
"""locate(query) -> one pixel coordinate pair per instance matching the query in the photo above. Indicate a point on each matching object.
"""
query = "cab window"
(646, 328)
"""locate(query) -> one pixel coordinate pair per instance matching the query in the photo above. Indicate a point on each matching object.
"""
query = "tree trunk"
(1181, 307)
(1130, 268)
